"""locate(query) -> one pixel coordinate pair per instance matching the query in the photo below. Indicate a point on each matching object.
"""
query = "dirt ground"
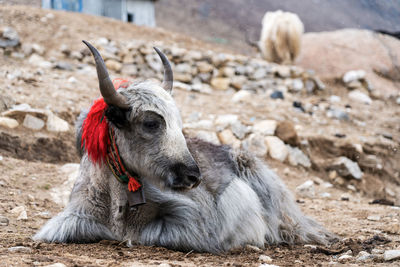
(31, 161)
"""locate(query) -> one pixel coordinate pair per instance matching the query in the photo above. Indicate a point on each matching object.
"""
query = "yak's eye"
(151, 125)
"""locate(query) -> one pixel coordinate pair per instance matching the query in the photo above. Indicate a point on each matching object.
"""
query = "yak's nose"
(187, 176)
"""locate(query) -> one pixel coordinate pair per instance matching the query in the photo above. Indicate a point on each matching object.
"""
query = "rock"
(165, 265)
(57, 264)
(183, 77)
(201, 88)
(39, 61)
(297, 85)
(23, 216)
(72, 80)
(325, 195)
(19, 249)
(297, 157)
(344, 258)
(298, 105)
(114, 65)
(360, 97)
(8, 37)
(181, 86)
(227, 72)
(226, 137)
(237, 82)
(253, 248)
(265, 127)
(334, 99)
(239, 130)
(353, 75)
(204, 67)
(265, 259)
(153, 61)
(208, 136)
(4, 221)
(364, 256)
(224, 120)
(374, 218)
(354, 85)
(398, 100)
(38, 49)
(56, 124)
(44, 215)
(391, 255)
(6, 102)
(287, 133)
(346, 168)
(267, 265)
(32, 122)
(241, 96)
(338, 114)
(282, 71)
(220, 83)
(255, 143)
(306, 189)
(259, 74)
(8, 122)
(276, 148)
(17, 210)
(276, 95)
(61, 65)
(129, 69)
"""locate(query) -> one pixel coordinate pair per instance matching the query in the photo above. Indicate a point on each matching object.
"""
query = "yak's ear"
(116, 116)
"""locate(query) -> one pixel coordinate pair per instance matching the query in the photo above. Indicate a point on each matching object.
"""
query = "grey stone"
(265, 259)
(4, 221)
(239, 130)
(346, 168)
(32, 122)
(338, 114)
(225, 120)
(23, 216)
(389, 255)
(57, 264)
(19, 249)
(297, 157)
(360, 97)
(241, 96)
(226, 137)
(61, 65)
(398, 100)
(310, 85)
(259, 74)
(202, 88)
(8, 37)
(56, 124)
(202, 124)
(39, 61)
(353, 75)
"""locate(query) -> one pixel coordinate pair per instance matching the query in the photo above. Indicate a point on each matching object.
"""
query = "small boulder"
(19, 249)
(208, 136)
(353, 75)
(4, 221)
(265, 127)
(56, 124)
(8, 122)
(345, 168)
(220, 83)
(389, 255)
(114, 65)
(255, 143)
(226, 137)
(8, 37)
(360, 97)
(265, 259)
(287, 133)
(297, 157)
(225, 120)
(276, 148)
(241, 96)
(32, 122)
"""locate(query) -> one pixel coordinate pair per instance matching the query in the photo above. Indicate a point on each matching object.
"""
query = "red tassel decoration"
(133, 185)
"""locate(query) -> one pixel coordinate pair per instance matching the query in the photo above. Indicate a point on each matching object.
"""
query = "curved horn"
(107, 90)
(168, 75)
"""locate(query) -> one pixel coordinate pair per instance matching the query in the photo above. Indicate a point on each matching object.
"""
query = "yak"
(143, 182)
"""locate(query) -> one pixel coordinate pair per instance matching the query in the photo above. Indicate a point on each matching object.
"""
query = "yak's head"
(148, 128)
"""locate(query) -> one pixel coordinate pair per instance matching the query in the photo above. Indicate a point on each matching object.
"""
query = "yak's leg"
(84, 218)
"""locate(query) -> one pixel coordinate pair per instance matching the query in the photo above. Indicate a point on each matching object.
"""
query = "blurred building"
(140, 12)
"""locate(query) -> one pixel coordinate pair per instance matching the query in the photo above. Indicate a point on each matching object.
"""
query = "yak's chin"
(176, 184)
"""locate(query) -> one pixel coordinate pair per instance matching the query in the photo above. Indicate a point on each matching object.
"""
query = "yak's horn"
(168, 75)
(107, 90)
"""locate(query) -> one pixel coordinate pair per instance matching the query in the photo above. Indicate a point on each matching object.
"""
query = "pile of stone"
(199, 71)
(277, 140)
(33, 119)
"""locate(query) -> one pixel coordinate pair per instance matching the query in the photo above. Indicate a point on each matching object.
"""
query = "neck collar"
(134, 189)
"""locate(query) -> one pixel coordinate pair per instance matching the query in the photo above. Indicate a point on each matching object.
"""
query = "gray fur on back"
(239, 201)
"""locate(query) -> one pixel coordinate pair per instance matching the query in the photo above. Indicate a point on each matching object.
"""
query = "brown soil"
(32, 160)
